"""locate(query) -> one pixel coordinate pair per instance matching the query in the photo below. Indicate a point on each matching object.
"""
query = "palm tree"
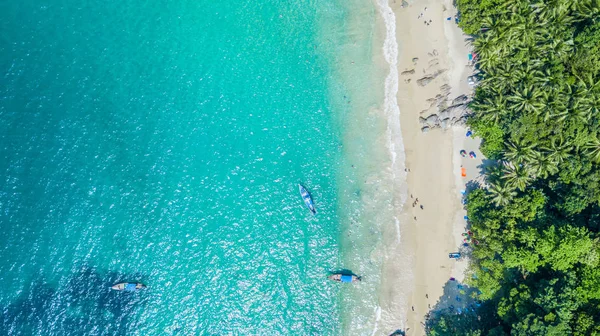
(527, 99)
(491, 23)
(530, 75)
(559, 150)
(501, 193)
(587, 96)
(553, 102)
(516, 176)
(559, 48)
(542, 165)
(586, 9)
(517, 152)
(500, 78)
(494, 173)
(493, 108)
(592, 149)
(573, 113)
(587, 107)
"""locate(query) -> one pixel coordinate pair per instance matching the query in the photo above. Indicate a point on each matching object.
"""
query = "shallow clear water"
(162, 142)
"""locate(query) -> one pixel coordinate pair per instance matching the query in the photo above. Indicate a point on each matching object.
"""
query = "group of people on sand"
(416, 202)
(422, 15)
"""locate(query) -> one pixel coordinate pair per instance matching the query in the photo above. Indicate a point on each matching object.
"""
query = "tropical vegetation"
(536, 269)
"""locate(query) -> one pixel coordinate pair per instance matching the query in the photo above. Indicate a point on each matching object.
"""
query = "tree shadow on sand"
(457, 311)
(84, 306)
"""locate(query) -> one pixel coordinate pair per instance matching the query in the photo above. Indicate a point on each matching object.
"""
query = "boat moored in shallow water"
(307, 199)
(128, 286)
(339, 277)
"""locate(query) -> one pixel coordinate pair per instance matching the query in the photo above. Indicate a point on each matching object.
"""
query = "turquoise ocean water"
(162, 142)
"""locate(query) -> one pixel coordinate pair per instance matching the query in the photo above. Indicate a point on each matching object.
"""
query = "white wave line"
(392, 111)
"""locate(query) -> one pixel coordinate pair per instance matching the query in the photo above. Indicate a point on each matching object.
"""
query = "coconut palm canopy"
(537, 218)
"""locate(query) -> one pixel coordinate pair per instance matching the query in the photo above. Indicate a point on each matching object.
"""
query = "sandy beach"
(432, 219)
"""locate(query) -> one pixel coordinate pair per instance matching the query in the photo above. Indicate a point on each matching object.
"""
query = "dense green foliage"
(537, 218)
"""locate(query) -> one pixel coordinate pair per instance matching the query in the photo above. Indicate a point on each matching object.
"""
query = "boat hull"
(128, 286)
(347, 278)
(307, 199)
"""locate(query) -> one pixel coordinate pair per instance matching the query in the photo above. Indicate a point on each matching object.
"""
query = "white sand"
(423, 267)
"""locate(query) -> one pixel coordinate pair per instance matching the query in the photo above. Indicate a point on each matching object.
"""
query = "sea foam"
(396, 305)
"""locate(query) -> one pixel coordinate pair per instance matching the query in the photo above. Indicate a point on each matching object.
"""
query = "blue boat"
(347, 278)
(307, 199)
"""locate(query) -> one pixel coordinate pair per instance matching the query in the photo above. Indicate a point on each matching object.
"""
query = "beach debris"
(469, 133)
(407, 72)
(404, 4)
(415, 60)
(463, 172)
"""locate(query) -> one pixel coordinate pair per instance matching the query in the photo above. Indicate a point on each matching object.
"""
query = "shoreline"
(416, 271)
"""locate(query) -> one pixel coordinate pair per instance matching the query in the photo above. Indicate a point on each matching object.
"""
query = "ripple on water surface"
(162, 143)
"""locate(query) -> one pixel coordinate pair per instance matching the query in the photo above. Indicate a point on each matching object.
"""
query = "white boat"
(128, 286)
